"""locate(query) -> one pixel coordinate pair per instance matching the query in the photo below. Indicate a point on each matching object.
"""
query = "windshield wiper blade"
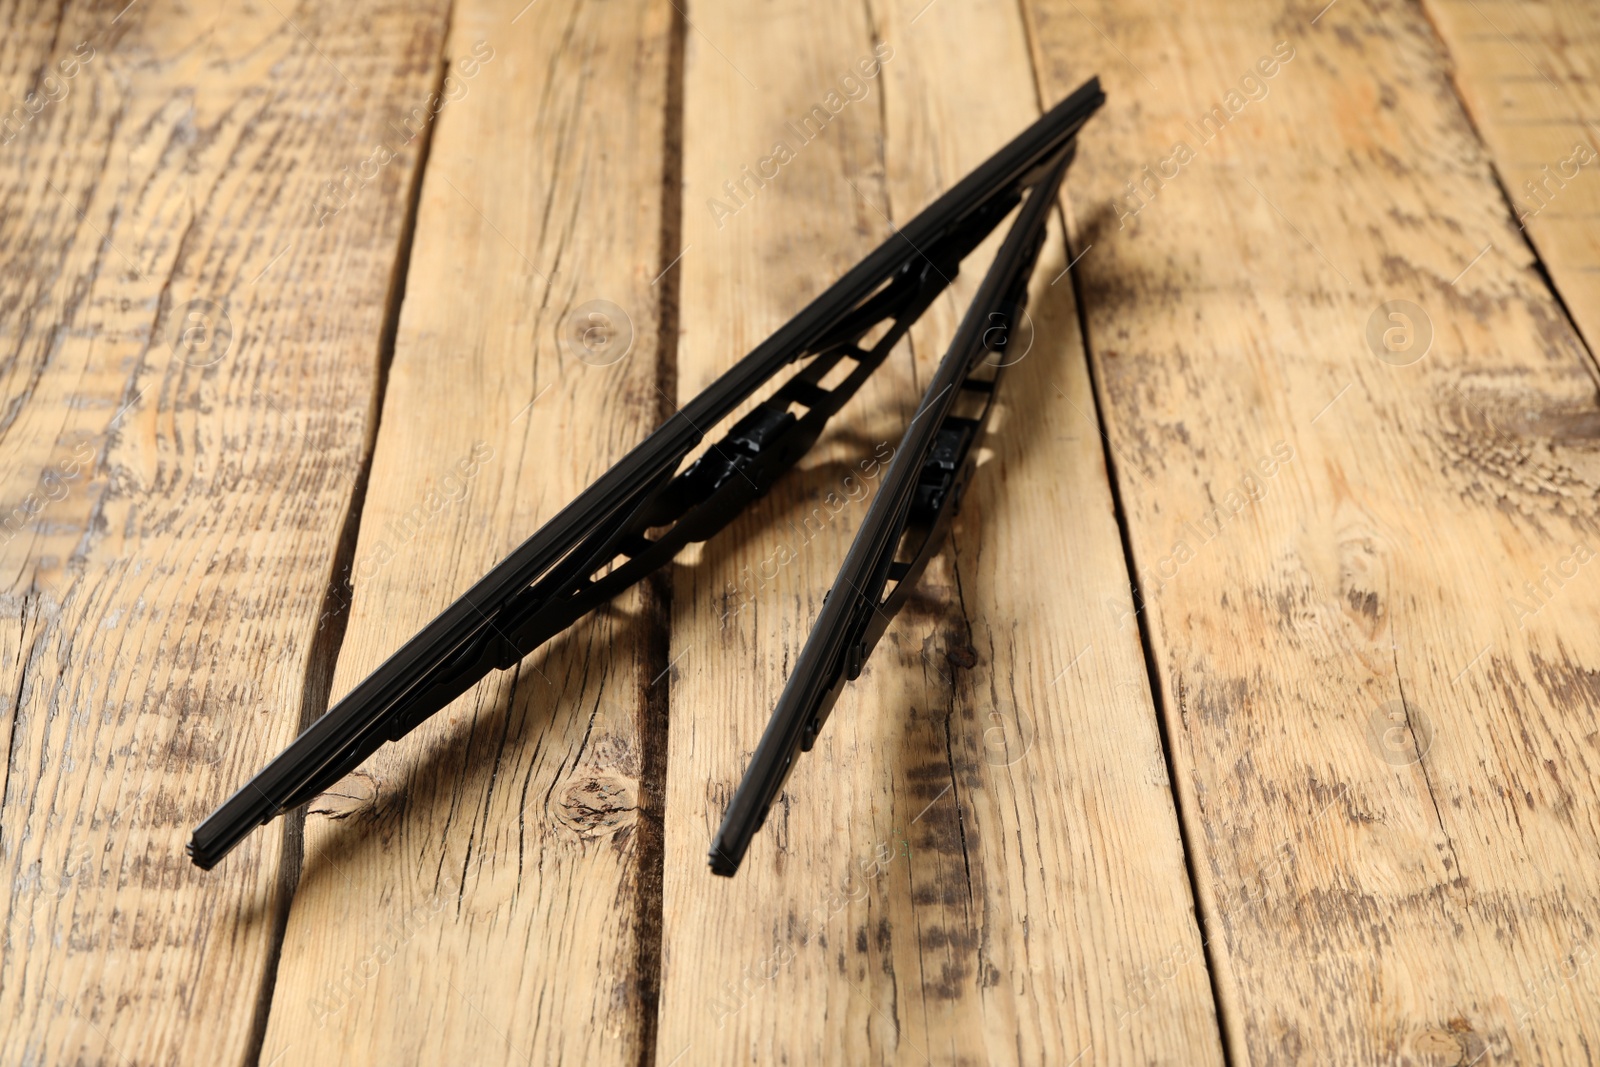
(548, 581)
(904, 526)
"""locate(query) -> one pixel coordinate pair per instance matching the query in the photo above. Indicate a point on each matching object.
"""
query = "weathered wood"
(1362, 534)
(172, 510)
(476, 893)
(1386, 762)
(982, 851)
(1527, 74)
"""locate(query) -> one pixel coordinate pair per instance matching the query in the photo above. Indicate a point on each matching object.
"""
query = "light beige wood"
(478, 892)
(161, 590)
(1366, 581)
(1529, 74)
(1386, 766)
(981, 853)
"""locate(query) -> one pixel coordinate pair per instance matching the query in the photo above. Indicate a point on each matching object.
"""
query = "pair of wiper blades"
(638, 514)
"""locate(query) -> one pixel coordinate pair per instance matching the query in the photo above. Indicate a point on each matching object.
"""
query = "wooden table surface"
(1247, 717)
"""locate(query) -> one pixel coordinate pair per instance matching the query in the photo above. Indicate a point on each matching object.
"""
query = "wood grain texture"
(173, 502)
(981, 852)
(474, 893)
(1529, 74)
(1387, 766)
(1350, 449)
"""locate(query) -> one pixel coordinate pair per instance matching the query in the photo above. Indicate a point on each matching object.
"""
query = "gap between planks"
(324, 651)
(1072, 239)
(655, 703)
(1225, 1020)
(1453, 69)
(654, 706)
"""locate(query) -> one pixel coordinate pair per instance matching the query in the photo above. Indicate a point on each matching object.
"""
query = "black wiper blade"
(547, 582)
(903, 527)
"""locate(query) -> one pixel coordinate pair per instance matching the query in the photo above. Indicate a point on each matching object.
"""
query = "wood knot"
(355, 792)
(962, 655)
(597, 805)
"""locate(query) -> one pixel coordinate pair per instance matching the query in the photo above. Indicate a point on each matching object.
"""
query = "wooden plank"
(1384, 740)
(479, 892)
(1529, 74)
(982, 851)
(172, 503)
